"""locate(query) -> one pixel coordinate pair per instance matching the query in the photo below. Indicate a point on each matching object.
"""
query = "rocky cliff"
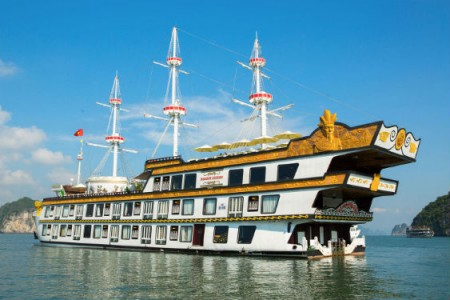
(17, 216)
(436, 215)
(399, 230)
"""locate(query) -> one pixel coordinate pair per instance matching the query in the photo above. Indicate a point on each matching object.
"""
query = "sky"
(367, 61)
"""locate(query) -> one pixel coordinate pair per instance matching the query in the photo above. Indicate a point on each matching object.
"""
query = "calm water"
(393, 268)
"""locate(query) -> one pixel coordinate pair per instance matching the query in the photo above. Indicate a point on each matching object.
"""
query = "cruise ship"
(281, 195)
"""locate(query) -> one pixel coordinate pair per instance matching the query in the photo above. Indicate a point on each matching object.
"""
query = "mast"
(79, 159)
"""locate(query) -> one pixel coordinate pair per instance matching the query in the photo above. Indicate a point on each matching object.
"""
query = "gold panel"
(38, 205)
(375, 182)
(401, 136)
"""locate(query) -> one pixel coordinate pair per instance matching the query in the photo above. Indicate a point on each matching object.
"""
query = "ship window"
(77, 232)
(220, 234)
(137, 208)
(245, 234)
(114, 233)
(257, 175)
(116, 211)
(55, 232)
(146, 234)
(44, 229)
(127, 209)
(161, 235)
(157, 184)
(58, 211)
(165, 183)
(287, 171)
(105, 231)
(173, 233)
(186, 234)
(176, 182)
(209, 206)
(176, 207)
(65, 211)
(89, 210)
(69, 230)
(188, 207)
(135, 232)
(148, 210)
(163, 209)
(79, 212)
(99, 210)
(71, 210)
(87, 231)
(63, 231)
(253, 203)
(269, 204)
(47, 211)
(235, 177)
(190, 181)
(235, 205)
(52, 210)
(126, 232)
(97, 231)
(107, 210)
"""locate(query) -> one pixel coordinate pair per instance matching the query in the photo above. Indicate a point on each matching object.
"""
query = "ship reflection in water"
(96, 274)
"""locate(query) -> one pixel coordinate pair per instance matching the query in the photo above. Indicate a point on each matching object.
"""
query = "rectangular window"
(137, 208)
(175, 207)
(148, 210)
(52, 211)
(235, 205)
(65, 212)
(220, 234)
(165, 183)
(146, 234)
(135, 232)
(79, 212)
(47, 212)
(89, 210)
(253, 203)
(87, 231)
(114, 233)
(269, 204)
(190, 181)
(77, 232)
(257, 175)
(163, 209)
(156, 184)
(173, 233)
(176, 182)
(235, 177)
(245, 234)
(107, 210)
(63, 231)
(69, 230)
(105, 231)
(161, 235)
(99, 209)
(58, 212)
(71, 210)
(44, 229)
(97, 231)
(116, 211)
(287, 171)
(127, 209)
(55, 232)
(126, 232)
(186, 234)
(188, 207)
(209, 206)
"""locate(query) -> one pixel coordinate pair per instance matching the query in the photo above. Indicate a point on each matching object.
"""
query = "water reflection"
(99, 274)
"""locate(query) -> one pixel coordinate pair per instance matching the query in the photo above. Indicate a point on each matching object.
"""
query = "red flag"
(79, 132)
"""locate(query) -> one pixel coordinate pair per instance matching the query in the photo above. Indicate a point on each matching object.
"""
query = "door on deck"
(199, 234)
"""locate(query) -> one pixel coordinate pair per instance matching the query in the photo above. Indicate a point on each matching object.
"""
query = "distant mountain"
(399, 230)
(436, 215)
(17, 216)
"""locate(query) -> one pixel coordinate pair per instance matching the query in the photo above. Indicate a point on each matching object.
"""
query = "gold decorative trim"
(400, 140)
(337, 218)
(267, 187)
(38, 205)
(375, 182)
(383, 136)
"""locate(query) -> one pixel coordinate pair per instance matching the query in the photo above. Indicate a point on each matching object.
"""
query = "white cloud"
(17, 138)
(61, 176)
(16, 177)
(47, 157)
(7, 68)
(379, 209)
(4, 116)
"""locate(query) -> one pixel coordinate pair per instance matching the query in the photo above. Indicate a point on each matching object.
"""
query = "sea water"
(393, 268)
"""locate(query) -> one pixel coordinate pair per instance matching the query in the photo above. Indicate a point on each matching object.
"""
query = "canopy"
(287, 135)
(240, 143)
(265, 139)
(206, 148)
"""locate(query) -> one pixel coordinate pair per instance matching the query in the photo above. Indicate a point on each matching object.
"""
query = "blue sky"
(364, 60)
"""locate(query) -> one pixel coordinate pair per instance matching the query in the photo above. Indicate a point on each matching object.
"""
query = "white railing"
(359, 241)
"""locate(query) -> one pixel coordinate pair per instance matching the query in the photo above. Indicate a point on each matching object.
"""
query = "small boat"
(300, 199)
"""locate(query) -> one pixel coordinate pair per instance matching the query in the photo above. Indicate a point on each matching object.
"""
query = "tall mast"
(258, 97)
(79, 158)
(115, 100)
(175, 109)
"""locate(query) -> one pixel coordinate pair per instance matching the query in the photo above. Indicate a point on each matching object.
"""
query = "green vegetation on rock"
(436, 215)
(15, 208)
